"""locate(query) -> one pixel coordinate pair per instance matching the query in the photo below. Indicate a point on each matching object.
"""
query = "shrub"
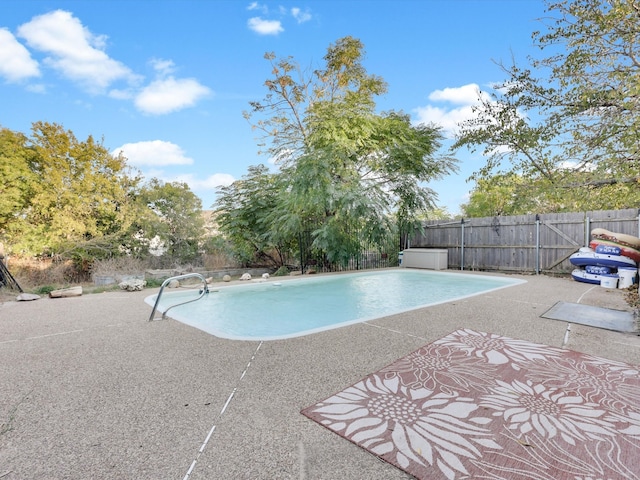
(44, 290)
(283, 271)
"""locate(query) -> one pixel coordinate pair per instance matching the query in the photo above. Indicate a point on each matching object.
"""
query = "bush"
(283, 271)
(44, 290)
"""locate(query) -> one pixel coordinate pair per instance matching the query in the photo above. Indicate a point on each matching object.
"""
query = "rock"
(26, 297)
(132, 285)
(245, 276)
(173, 284)
(265, 275)
(209, 280)
(226, 278)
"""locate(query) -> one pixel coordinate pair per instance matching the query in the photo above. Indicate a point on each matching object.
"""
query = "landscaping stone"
(132, 285)
(26, 297)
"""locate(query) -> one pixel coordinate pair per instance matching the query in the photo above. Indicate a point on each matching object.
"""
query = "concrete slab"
(599, 317)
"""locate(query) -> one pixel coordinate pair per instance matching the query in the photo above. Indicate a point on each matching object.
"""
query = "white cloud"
(163, 67)
(463, 100)
(74, 51)
(71, 49)
(16, 63)
(575, 165)
(300, 16)
(448, 119)
(265, 27)
(465, 95)
(157, 154)
(153, 153)
(211, 182)
(169, 94)
(256, 6)
(205, 188)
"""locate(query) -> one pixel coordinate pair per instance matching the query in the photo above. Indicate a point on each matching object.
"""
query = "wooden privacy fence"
(521, 243)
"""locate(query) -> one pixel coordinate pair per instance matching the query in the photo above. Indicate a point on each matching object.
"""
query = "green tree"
(16, 181)
(344, 166)
(176, 219)
(501, 194)
(78, 195)
(246, 209)
(571, 131)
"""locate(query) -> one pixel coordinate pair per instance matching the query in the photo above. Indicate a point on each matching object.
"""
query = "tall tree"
(345, 167)
(246, 209)
(78, 193)
(572, 130)
(177, 218)
(16, 181)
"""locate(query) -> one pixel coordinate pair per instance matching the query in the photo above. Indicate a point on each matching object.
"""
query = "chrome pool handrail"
(203, 292)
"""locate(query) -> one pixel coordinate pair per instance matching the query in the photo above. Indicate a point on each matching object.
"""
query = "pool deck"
(90, 389)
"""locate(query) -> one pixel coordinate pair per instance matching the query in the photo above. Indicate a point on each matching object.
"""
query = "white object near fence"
(429, 258)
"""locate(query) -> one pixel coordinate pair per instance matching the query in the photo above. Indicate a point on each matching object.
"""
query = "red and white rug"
(482, 406)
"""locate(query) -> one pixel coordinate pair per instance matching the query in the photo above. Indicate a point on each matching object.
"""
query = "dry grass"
(218, 261)
(34, 272)
(118, 266)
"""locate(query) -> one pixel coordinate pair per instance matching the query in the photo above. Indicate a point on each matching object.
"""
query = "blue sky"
(166, 81)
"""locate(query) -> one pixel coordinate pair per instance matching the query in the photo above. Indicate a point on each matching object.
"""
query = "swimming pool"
(278, 309)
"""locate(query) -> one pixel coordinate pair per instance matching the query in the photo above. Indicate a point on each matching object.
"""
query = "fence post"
(587, 230)
(302, 259)
(537, 244)
(462, 244)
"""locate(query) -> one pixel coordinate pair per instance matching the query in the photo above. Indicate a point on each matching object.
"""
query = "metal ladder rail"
(203, 292)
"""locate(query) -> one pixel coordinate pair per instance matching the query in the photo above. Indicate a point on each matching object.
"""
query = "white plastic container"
(627, 276)
(609, 282)
(431, 258)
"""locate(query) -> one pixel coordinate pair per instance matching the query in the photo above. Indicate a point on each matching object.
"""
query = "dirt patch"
(8, 295)
(633, 297)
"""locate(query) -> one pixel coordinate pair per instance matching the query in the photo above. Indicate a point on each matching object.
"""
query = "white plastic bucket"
(609, 282)
(627, 276)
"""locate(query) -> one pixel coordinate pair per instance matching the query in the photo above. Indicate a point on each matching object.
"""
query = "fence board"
(521, 243)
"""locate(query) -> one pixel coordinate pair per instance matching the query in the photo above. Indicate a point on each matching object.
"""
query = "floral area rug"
(482, 406)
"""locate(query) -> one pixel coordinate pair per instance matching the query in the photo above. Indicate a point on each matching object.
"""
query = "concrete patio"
(90, 389)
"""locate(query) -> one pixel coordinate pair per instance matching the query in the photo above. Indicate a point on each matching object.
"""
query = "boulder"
(245, 276)
(132, 285)
(226, 278)
(26, 297)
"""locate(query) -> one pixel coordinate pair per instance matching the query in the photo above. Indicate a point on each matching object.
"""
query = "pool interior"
(285, 308)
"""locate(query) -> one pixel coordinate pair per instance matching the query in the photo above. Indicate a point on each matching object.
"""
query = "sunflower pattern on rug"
(483, 406)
